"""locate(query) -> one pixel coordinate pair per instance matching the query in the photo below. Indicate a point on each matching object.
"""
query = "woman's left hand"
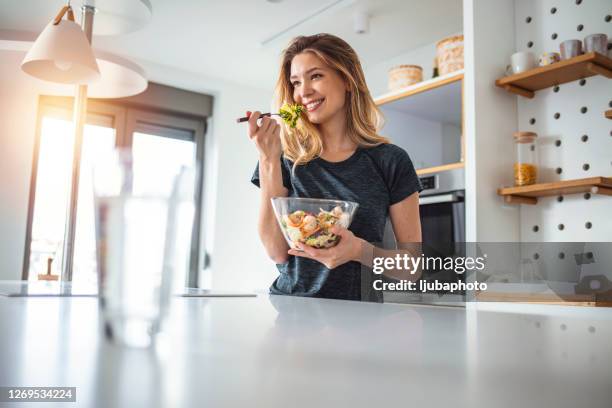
(348, 249)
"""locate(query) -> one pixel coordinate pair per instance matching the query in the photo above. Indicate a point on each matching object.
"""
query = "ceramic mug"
(571, 49)
(520, 62)
(596, 43)
(548, 58)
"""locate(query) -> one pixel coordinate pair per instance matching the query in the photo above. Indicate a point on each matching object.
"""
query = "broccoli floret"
(291, 113)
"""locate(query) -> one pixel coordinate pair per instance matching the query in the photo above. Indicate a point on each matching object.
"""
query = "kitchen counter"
(278, 351)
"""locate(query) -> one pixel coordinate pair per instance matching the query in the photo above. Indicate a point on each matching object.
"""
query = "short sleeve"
(401, 177)
(284, 171)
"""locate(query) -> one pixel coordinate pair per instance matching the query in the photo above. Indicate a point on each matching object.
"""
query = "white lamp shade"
(61, 53)
(115, 17)
(120, 77)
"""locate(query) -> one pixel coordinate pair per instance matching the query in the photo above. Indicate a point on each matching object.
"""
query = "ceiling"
(223, 38)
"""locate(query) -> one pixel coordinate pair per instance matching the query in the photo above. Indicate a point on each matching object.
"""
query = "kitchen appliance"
(442, 210)
(442, 207)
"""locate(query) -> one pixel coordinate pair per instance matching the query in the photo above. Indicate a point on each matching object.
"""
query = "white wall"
(377, 75)
(18, 100)
(238, 260)
(451, 148)
(574, 211)
(490, 119)
(428, 143)
(231, 202)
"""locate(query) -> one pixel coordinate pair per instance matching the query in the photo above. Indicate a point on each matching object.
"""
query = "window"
(180, 139)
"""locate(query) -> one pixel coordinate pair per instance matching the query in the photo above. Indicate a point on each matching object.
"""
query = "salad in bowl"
(309, 220)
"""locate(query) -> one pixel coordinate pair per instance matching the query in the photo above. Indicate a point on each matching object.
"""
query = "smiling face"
(318, 87)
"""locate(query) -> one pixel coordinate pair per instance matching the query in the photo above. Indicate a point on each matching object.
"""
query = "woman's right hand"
(266, 136)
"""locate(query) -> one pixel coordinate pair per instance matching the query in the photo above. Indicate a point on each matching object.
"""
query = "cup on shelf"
(596, 43)
(570, 49)
(520, 62)
(548, 58)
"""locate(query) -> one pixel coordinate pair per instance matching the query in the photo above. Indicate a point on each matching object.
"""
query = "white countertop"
(279, 351)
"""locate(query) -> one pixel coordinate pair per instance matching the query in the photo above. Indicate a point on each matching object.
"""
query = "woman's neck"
(335, 137)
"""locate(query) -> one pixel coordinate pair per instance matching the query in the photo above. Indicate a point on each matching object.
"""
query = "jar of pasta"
(525, 165)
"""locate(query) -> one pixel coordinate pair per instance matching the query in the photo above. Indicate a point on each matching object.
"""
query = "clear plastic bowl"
(308, 220)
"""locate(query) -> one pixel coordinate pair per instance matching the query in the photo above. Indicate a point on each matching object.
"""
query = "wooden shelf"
(437, 169)
(419, 88)
(439, 100)
(582, 66)
(608, 114)
(529, 194)
(545, 298)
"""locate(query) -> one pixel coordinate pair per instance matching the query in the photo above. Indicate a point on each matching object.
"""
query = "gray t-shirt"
(376, 178)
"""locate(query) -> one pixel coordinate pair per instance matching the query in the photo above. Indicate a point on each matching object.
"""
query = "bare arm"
(269, 232)
(267, 140)
(406, 219)
(406, 222)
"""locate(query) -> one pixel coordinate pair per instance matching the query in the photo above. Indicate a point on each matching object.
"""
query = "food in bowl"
(309, 221)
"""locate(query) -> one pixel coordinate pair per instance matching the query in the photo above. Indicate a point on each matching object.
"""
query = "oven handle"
(440, 198)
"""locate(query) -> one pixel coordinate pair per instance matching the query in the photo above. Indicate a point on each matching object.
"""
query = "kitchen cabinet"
(426, 120)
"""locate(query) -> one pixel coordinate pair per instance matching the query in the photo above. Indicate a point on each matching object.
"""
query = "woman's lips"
(314, 105)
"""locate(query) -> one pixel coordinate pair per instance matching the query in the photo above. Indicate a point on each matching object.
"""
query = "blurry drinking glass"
(143, 234)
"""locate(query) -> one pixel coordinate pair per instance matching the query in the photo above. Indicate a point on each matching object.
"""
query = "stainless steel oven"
(442, 207)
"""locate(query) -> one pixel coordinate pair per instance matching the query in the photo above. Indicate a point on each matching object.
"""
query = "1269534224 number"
(21, 394)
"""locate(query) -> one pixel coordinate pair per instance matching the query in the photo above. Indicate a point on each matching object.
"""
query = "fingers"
(337, 229)
(312, 252)
(277, 119)
(267, 124)
(253, 127)
(295, 252)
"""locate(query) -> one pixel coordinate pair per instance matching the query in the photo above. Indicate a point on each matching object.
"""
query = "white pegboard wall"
(574, 137)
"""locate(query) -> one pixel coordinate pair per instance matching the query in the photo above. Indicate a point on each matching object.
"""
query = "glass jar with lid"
(525, 164)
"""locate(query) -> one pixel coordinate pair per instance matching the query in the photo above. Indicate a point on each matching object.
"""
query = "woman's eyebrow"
(305, 73)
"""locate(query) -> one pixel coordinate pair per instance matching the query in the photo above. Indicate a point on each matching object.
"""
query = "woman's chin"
(315, 118)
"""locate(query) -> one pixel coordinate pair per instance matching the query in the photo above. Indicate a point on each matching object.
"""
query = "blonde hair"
(363, 118)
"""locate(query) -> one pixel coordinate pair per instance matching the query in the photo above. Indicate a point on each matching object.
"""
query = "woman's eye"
(295, 83)
(315, 76)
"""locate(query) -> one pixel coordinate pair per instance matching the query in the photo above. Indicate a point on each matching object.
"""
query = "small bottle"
(435, 68)
(525, 165)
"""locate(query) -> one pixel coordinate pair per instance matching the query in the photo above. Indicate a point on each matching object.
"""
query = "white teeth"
(314, 104)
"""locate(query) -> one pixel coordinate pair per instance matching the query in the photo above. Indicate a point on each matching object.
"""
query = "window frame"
(125, 118)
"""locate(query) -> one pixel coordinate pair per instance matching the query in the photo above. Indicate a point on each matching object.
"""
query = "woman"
(335, 154)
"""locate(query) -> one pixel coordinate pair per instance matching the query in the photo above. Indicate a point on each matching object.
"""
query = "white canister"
(449, 52)
(404, 75)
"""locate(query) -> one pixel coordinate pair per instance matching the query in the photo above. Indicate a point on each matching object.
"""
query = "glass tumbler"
(143, 236)
(525, 165)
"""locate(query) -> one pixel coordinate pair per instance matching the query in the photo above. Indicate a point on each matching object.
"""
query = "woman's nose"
(306, 90)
